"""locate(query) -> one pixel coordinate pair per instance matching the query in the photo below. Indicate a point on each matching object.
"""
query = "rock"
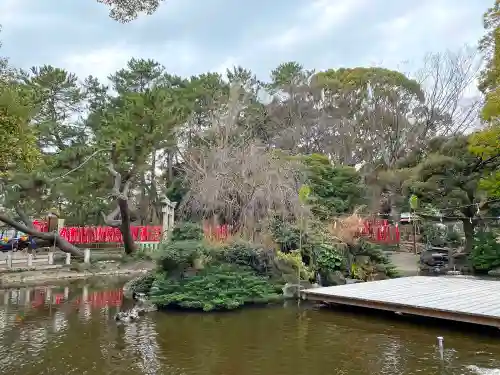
(292, 290)
(378, 276)
(381, 268)
(352, 281)
(335, 278)
(362, 259)
(494, 272)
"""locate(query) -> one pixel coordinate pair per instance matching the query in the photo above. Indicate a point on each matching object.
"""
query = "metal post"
(30, 260)
(68, 259)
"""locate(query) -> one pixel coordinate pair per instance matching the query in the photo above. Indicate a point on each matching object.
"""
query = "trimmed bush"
(217, 287)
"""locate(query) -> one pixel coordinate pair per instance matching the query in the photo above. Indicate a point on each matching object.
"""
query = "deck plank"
(457, 298)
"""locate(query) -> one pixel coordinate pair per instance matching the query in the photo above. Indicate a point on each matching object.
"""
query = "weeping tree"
(235, 178)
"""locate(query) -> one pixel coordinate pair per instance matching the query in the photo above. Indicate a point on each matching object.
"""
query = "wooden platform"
(454, 298)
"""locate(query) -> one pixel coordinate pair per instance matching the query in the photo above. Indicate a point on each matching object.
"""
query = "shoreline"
(31, 277)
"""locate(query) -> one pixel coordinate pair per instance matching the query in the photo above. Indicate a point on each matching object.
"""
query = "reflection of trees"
(254, 341)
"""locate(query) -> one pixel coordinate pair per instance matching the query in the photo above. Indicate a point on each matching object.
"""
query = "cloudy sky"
(190, 37)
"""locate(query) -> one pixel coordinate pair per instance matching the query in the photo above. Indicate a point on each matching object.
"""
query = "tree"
(235, 179)
(449, 178)
(127, 10)
(18, 107)
(486, 143)
(140, 122)
(335, 190)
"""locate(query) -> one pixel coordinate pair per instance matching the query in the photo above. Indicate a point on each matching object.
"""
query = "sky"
(190, 37)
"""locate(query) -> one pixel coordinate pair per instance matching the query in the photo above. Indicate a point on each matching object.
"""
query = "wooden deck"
(456, 298)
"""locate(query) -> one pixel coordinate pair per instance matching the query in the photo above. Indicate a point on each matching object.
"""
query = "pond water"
(70, 330)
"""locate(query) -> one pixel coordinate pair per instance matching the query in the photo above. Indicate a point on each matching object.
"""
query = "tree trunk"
(128, 239)
(46, 237)
(469, 235)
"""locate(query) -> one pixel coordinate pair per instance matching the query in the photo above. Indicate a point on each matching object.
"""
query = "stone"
(352, 281)
(494, 272)
(362, 259)
(335, 278)
(381, 268)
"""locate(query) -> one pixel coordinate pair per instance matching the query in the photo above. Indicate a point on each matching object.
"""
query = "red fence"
(91, 234)
(379, 231)
(376, 230)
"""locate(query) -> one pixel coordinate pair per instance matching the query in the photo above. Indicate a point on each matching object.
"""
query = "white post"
(51, 257)
(86, 256)
(66, 292)
(168, 217)
(9, 259)
(30, 260)
(27, 295)
(48, 296)
(164, 228)
(68, 259)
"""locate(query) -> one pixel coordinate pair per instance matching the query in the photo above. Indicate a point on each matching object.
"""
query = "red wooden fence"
(376, 230)
(92, 234)
(379, 231)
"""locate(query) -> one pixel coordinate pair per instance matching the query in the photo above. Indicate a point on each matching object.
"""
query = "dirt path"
(406, 263)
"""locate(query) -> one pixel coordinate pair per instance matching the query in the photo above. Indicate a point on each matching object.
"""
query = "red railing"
(92, 234)
(376, 230)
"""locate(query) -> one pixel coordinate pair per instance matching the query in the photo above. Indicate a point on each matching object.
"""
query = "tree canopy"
(238, 148)
(486, 143)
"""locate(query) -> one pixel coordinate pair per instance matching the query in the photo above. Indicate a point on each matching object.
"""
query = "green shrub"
(178, 256)
(217, 287)
(141, 284)
(187, 230)
(290, 265)
(247, 254)
(377, 256)
(328, 259)
(286, 235)
(485, 254)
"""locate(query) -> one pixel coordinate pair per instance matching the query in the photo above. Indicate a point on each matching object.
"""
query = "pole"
(414, 233)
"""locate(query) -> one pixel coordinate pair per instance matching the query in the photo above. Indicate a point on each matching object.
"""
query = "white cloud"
(178, 57)
(314, 21)
(99, 63)
(437, 25)
(228, 63)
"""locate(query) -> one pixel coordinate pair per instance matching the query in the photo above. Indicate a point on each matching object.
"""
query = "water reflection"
(60, 330)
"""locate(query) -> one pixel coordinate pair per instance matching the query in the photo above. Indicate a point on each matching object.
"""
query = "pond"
(65, 330)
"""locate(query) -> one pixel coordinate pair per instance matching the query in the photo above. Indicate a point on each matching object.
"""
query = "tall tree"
(140, 121)
(449, 178)
(486, 143)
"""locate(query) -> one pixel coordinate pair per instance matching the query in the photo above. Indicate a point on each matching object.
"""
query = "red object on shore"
(91, 234)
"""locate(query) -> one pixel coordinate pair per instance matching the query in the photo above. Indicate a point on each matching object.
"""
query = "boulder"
(362, 259)
(335, 278)
(494, 272)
